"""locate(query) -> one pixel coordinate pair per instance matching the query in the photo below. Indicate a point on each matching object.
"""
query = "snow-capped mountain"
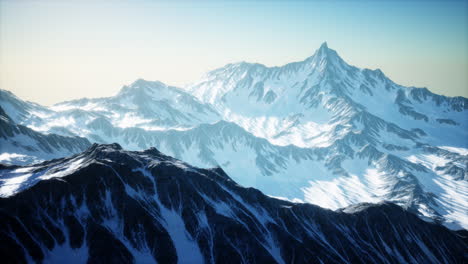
(143, 104)
(319, 131)
(111, 205)
(378, 140)
(20, 111)
(305, 103)
(22, 145)
(148, 105)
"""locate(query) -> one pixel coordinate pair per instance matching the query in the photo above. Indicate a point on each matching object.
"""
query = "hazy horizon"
(52, 51)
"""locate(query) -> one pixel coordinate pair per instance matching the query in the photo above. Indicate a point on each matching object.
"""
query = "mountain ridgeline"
(317, 131)
(108, 205)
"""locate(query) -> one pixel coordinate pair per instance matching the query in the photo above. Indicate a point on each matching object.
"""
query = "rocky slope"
(111, 205)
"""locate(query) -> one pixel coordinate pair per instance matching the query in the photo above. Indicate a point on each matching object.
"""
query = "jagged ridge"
(108, 204)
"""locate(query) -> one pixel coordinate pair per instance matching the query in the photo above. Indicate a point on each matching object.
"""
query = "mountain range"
(318, 131)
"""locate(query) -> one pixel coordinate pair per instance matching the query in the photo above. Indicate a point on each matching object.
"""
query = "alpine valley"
(309, 134)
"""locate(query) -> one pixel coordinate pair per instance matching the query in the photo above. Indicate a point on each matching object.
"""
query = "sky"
(51, 50)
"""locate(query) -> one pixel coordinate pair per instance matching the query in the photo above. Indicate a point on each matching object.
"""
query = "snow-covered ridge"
(22, 145)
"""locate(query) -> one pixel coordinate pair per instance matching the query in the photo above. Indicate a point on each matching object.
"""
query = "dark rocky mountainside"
(108, 205)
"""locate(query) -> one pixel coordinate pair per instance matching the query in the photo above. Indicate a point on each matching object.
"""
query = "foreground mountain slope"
(22, 145)
(108, 204)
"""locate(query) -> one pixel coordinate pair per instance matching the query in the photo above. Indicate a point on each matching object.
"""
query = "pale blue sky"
(52, 51)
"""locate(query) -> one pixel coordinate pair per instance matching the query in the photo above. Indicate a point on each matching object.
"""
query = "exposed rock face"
(110, 205)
